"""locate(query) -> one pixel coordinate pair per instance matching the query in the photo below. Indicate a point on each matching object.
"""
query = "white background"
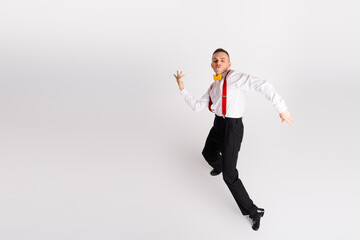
(97, 143)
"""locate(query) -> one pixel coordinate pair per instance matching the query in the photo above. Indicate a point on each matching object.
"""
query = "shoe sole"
(214, 174)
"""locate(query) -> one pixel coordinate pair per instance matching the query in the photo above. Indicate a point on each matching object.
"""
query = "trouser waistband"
(221, 117)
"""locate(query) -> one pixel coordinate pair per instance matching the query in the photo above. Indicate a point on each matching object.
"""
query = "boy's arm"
(255, 84)
(196, 105)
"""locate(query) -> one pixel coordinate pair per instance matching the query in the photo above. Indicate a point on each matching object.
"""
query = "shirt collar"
(224, 73)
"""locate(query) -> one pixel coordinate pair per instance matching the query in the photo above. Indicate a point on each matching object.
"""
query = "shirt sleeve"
(254, 84)
(196, 105)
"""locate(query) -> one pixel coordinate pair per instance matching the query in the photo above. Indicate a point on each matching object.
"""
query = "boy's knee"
(204, 153)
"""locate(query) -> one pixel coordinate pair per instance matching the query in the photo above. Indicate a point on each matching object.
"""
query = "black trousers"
(221, 152)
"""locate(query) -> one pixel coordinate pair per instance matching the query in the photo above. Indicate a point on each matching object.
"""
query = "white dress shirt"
(237, 83)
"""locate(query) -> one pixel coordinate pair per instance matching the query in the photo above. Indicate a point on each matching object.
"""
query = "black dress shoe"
(214, 172)
(256, 219)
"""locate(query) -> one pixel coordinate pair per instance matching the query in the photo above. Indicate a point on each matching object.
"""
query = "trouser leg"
(233, 130)
(211, 151)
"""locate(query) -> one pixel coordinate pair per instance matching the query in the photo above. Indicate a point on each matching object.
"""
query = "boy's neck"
(222, 72)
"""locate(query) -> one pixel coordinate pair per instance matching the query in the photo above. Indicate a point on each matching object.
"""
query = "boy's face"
(220, 62)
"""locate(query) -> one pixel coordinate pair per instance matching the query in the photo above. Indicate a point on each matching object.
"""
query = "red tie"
(223, 97)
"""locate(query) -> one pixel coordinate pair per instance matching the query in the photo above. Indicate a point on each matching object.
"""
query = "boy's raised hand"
(178, 77)
(286, 116)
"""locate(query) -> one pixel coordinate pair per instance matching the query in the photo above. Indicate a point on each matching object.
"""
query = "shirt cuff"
(184, 92)
(281, 107)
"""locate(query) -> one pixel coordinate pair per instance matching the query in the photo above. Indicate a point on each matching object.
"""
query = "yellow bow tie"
(217, 77)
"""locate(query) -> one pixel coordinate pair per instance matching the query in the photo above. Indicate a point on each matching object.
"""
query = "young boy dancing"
(225, 97)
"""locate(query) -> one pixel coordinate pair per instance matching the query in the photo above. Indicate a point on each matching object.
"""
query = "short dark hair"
(222, 50)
